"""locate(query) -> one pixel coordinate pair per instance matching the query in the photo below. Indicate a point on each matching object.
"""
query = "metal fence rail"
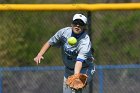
(109, 67)
(99, 82)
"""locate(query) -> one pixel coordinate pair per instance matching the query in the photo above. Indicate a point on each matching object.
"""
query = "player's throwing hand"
(38, 58)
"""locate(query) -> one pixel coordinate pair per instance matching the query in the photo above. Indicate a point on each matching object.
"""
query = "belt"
(73, 68)
(71, 58)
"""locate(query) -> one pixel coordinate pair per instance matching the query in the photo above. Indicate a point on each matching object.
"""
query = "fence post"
(90, 35)
(89, 15)
(101, 79)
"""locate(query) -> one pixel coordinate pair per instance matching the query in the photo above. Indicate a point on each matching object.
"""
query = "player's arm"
(52, 41)
(78, 67)
(45, 47)
(84, 49)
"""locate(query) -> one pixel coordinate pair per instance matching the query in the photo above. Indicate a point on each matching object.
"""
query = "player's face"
(78, 26)
(77, 29)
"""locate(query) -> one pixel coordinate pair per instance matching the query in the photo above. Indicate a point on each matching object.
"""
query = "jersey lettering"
(69, 50)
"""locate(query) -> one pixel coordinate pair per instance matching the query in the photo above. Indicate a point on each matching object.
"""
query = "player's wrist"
(76, 73)
(39, 54)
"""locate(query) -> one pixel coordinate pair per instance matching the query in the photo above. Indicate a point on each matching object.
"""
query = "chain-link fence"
(107, 79)
(32, 80)
(115, 37)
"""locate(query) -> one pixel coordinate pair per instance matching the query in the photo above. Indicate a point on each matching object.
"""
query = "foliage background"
(115, 34)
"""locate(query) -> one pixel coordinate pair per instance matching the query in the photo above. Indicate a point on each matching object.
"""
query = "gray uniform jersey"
(79, 52)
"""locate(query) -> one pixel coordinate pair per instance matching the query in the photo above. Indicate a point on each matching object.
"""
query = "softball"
(72, 41)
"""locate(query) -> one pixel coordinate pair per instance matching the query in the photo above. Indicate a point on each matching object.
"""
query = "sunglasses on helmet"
(78, 22)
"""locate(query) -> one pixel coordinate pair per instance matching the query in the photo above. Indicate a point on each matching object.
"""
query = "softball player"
(77, 58)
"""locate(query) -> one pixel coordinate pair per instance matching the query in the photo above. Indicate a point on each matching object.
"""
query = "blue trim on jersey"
(77, 35)
(79, 59)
